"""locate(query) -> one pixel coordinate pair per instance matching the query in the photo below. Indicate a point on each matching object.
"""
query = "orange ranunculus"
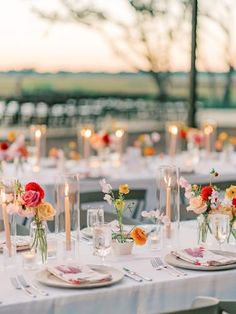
(124, 189)
(149, 151)
(74, 155)
(11, 136)
(139, 236)
(53, 152)
(23, 151)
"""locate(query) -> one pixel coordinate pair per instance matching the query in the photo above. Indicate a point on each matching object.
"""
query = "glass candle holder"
(84, 135)
(29, 260)
(172, 138)
(38, 143)
(67, 220)
(209, 131)
(169, 202)
(8, 216)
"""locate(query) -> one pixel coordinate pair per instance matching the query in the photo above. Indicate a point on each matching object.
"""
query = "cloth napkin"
(21, 245)
(78, 274)
(202, 257)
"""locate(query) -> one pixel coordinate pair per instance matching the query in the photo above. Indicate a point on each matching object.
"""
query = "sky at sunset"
(28, 42)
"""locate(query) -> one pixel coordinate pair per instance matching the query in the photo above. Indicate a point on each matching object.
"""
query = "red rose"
(106, 139)
(31, 198)
(206, 192)
(4, 146)
(183, 134)
(234, 202)
(33, 186)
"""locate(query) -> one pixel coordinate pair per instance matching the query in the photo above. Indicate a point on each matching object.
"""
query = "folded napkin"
(21, 245)
(78, 274)
(202, 257)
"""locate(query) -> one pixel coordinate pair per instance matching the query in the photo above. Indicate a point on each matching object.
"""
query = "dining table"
(163, 292)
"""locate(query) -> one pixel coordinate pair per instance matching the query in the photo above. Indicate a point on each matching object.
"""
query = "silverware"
(137, 274)
(167, 266)
(31, 285)
(134, 278)
(17, 285)
(155, 263)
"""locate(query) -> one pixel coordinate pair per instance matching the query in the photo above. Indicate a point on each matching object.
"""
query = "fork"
(31, 285)
(17, 285)
(165, 265)
(155, 264)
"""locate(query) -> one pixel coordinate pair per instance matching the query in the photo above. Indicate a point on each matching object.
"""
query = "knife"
(134, 278)
(133, 273)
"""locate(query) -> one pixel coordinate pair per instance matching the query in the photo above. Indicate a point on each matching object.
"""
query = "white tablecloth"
(164, 293)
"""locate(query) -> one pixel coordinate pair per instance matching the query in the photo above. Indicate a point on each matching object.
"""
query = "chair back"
(227, 306)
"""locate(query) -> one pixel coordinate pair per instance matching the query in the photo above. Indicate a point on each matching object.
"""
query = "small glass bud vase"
(203, 229)
(38, 234)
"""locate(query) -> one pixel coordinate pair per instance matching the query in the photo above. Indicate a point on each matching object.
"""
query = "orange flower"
(11, 136)
(139, 236)
(124, 189)
(149, 151)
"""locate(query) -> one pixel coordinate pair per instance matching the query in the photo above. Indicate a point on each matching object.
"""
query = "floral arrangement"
(209, 200)
(14, 147)
(136, 234)
(70, 152)
(30, 203)
(192, 135)
(155, 216)
(101, 140)
(147, 142)
(224, 140)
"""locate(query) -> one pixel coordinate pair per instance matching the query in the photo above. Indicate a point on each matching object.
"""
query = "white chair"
(201, 305)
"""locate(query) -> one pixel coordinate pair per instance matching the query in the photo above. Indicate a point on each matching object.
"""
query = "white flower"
(145, 214)
(106, 187)
(184, 183)
(108, 198)
(215, 199)
(155, 137)
(188, 192)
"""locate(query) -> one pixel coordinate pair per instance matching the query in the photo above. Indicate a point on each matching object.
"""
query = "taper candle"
(67, 218)
(6, 224)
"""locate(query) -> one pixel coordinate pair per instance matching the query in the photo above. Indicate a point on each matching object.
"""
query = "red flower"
(206, 192)
(33, 186)
(31, 198)
(183, 134)
(4, 146)
(234, 202)
(106, 139)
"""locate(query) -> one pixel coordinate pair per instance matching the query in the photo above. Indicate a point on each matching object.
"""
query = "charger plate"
(46, 278)
(177, 262)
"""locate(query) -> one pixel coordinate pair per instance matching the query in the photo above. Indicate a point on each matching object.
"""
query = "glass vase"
(38, 234)
(203, 229)
(168, 200)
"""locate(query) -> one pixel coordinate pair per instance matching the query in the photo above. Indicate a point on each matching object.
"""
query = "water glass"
(102, 240)
(220, 227)
(94, 216)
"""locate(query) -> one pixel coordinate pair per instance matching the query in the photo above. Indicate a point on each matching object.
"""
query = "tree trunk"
(228, 87)
(161, 80)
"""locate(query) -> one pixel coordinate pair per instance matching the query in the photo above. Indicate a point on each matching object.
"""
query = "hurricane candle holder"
(67, 220)
(84, 134)
(172, 138)
(169, 202)
(7, 196)
(38, 138)
(209, 131)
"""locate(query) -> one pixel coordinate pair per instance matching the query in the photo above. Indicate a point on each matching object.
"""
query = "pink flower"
(197, 205)
(184, 183)
(106, 187)
(155, 137)
(26, 212)
(31, 198)
(188, 192)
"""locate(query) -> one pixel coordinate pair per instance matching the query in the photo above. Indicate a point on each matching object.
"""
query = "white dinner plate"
(177, 262)
(45, 277)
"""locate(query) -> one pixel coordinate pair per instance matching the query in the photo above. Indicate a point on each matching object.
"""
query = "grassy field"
(13, 85)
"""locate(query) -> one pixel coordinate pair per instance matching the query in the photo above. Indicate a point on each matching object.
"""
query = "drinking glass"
(94, 216)
(220, 227)
(102, 240)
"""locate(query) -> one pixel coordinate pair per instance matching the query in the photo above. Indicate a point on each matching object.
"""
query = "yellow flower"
(45, 211)
(124, 189)
(74, 155)
(194, 187)
(72, 145)
(223, 136)
(231, 192)
(119, 204)
(11, 136)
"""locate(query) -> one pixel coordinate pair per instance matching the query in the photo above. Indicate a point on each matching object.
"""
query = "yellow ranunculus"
(45, 211)
(231, 192)
(124, 189)
(11, 136)
(72, 145)
(119, 204)
(223, 136)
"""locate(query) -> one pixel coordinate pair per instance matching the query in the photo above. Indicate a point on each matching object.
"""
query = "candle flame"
(208, 129)
(86, 133)
(66, 190)
(173, 129)
(38, 133)
(119, 133)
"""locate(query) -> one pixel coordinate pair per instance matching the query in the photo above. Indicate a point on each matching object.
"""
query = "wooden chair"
(201, 305)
